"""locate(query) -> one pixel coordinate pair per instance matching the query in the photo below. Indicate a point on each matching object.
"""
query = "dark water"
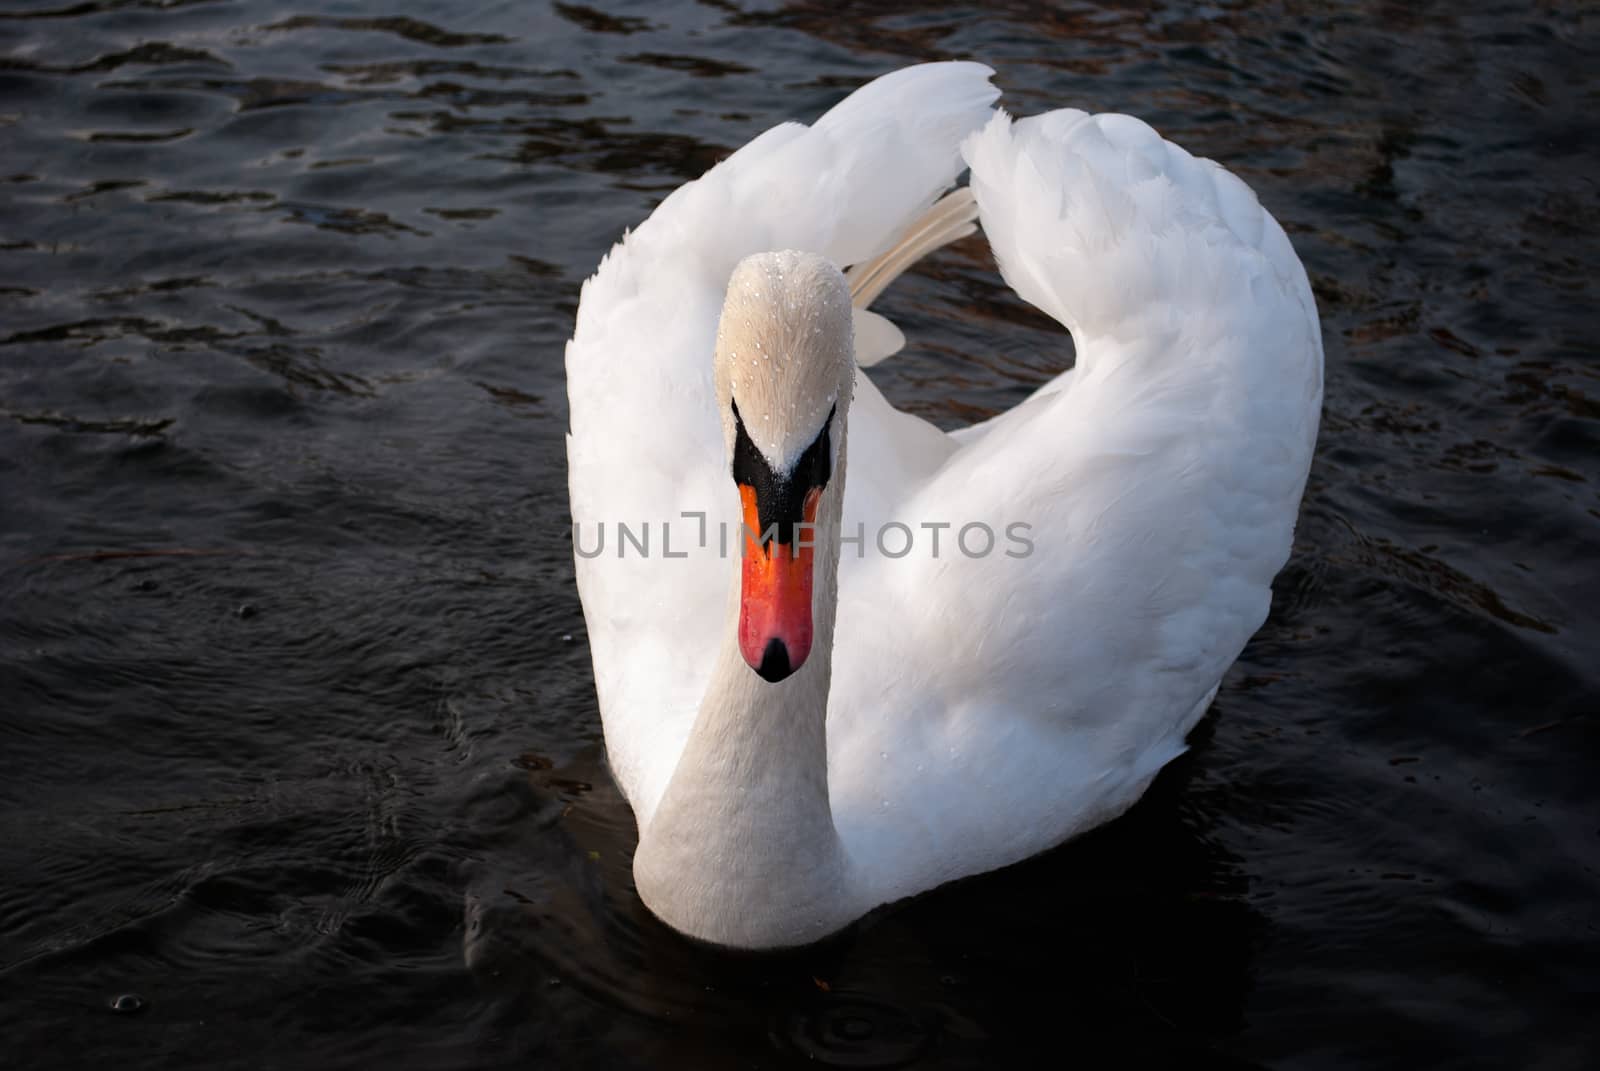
(298, 742)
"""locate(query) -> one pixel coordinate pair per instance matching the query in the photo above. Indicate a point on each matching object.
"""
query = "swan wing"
(1159, 481)
(645, 445)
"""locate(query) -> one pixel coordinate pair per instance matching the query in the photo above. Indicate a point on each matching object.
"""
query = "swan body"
(957, 711)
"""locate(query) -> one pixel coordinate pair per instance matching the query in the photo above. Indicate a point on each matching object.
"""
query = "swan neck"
(742, 849)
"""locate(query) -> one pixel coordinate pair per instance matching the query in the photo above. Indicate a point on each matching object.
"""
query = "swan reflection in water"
(1134, 939)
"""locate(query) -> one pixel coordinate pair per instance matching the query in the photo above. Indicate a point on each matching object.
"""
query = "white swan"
(958, 711)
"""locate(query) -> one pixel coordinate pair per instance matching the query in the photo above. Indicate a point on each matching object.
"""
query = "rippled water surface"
(299, 751)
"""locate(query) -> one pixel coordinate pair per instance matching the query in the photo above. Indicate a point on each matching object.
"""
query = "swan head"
(785, 366)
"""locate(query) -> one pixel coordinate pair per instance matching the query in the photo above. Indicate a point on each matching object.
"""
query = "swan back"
(1159, 481)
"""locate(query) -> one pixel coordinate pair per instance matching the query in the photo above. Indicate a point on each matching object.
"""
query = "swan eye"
(780, 497)
(815, 466)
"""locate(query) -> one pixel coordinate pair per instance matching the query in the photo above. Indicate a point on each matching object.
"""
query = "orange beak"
(775, 592)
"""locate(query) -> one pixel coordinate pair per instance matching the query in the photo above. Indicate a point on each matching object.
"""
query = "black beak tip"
(774, 661)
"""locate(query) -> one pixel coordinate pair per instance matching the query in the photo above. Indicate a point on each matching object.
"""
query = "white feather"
(982, 708)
